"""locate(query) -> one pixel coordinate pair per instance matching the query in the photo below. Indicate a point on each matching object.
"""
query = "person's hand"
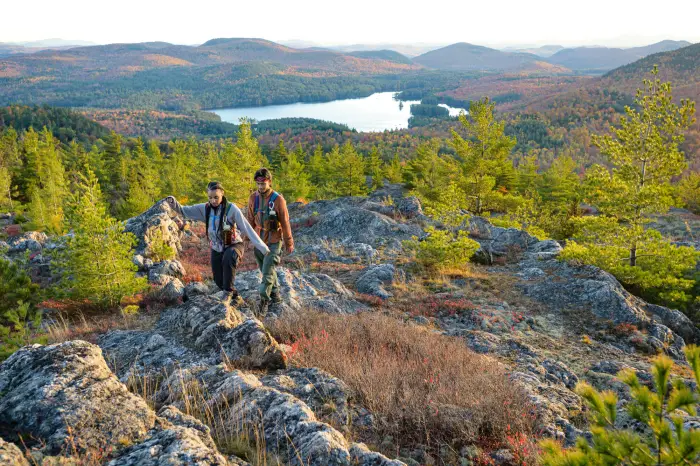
(289, 248)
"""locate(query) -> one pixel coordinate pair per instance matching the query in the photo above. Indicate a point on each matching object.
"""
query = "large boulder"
(177, 440)
(289, 426)
(409, 207)
(156, 224)
(32, 241)
(204, 328)
(497, 242)
(166, 268)
(302, 290)
(568, 286)
(211, 325)
(351, 220)
(65, 393)
(374, 279)
(170, 290)
(65, 397)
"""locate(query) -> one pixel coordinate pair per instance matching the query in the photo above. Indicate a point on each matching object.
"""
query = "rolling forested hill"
(220, 72)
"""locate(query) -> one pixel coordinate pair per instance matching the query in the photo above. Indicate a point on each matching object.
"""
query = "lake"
(378, 112)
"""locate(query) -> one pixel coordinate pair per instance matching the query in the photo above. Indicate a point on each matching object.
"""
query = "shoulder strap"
(271, 202)
(224, 211)
(207, 213)
(257, 202)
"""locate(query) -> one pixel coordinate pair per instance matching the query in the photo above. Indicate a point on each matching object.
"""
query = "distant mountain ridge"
(601, 59)
(680, 66)
(597, 60)
(543, 51)
(465, 57)
(125, 59)
(221, 72)
(389, 55)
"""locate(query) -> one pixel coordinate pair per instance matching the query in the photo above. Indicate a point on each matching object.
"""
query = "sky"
(494, 23)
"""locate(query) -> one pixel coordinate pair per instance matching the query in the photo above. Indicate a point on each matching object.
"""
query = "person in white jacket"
(225, 224)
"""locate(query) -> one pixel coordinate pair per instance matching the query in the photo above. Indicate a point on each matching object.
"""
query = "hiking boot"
(263, 307)
(234, 299)
(275, 297)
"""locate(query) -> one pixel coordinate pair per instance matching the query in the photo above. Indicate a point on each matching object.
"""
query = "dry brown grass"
(62, 327)
(422, 387)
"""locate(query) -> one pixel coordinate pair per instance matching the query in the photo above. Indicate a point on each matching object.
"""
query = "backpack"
(274, 222)
(207, 212)
(270, 203)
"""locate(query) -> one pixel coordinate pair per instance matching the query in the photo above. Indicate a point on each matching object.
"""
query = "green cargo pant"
(267, 264)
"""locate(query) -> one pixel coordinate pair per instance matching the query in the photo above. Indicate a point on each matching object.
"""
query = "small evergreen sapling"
(661, 411)
(97, 262)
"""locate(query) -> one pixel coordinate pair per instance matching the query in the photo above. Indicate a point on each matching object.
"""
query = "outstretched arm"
(247, 230)
(193, 212)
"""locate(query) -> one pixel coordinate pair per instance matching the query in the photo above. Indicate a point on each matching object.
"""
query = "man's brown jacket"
(284, 231)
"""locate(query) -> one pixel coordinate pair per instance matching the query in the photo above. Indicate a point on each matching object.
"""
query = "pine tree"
(349, 169)
(240, 161)
(10, 166)
(374, 167)
(143, 183)
(279, 156)
(15, 287)
(528, 180)
(28, 177)
(96, 264)
(644, 152)
(178, 168)
(318, 171)
(484, 153)
(293, 179)
(660, 411)
(689, 191)
(393, 171)
(50, 190)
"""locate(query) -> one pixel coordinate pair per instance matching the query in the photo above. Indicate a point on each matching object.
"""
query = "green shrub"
(16, 287)
(662, 272)
(160, 250)
(23, 324)
(661, 410)
(689, 191)
(442, 251)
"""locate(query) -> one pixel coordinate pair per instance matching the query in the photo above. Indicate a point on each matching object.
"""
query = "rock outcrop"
(355, 220)
(65, 397)
(66, 393)
(177, 439)
(289, 427)
(156, 224)
(375, 280)
(204, 328)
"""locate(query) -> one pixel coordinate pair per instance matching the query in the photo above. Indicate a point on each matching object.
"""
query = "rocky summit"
(205, 374)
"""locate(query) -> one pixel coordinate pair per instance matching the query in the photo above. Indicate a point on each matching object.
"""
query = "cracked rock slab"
(53, 392)
(289, 426)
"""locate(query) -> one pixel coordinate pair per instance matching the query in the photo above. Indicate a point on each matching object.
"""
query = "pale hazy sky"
(607, 22)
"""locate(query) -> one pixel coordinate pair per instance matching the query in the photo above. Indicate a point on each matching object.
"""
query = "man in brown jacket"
(267, 213)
